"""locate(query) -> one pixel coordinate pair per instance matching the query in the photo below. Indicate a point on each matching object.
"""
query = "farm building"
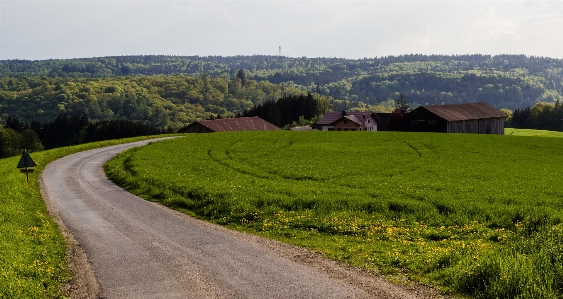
(229, 124)
(347, 121)
(476, 118)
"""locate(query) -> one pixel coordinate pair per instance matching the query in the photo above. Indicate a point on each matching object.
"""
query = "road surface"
(138, 249)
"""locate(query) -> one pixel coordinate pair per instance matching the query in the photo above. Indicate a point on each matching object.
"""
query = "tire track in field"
(250, 168)
(421, 149)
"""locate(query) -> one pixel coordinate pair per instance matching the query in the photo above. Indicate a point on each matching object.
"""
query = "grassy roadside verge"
(32, 249)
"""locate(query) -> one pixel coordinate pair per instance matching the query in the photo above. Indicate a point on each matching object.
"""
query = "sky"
(39, 29)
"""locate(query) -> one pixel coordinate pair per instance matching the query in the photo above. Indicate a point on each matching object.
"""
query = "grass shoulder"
(33, 263)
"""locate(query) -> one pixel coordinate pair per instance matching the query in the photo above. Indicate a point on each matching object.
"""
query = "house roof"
(330, 117)
(237, 124)
(457, 112)
(352, 118)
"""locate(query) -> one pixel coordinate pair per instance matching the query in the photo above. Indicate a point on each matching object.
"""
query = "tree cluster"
(12, 142)
(290, 109)
(542, 116)
(69, 130)
(116, 129)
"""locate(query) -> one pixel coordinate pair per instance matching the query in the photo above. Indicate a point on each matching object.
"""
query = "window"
(345, 129)
(345, 121)
(352, 129)
(338, 129)
(368, 121)
(331, 129)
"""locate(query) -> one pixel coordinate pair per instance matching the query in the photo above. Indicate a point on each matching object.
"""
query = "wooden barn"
(476, 118)
(347, 121)
(229, 124)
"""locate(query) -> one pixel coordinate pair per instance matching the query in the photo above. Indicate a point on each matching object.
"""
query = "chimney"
(343, 112)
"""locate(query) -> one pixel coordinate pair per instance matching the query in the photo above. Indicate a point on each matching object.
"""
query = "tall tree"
(402, 104)
(242, 77)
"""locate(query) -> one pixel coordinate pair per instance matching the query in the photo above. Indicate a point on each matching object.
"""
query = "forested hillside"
(160, 101)
(169, 91)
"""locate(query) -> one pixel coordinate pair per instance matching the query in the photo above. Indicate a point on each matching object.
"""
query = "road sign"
(25, 162)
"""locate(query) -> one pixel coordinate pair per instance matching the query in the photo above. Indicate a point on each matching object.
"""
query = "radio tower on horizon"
(280, 51)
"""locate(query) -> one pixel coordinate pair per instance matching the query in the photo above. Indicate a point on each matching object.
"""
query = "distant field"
(532, 132)
(473, 214)
(32, 248)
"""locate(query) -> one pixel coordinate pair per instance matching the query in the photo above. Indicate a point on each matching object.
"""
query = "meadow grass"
(33, 251)
(532, 132)
(471, 214)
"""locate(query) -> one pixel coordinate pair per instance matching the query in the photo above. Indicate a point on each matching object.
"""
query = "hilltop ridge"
(71, 85)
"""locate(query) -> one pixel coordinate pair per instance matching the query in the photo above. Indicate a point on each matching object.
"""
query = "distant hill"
(504, 81)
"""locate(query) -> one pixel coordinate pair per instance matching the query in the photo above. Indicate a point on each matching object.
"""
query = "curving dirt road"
(138, 249)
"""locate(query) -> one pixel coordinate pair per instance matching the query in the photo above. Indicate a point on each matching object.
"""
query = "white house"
(348, 121)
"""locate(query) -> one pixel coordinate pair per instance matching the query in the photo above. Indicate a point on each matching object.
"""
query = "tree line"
(12, 142)
(169, 92)
(542, 116)
(291, 110)
(276, 69)
(66, 130)
(511, 81)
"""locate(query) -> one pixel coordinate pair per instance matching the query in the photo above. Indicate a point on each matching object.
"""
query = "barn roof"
(457, 112)
(330, 117)
(237, 124)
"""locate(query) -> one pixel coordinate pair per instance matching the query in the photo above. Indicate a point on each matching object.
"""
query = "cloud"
(503, 34)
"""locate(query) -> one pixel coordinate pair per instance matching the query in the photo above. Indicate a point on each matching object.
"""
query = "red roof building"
(229, 124)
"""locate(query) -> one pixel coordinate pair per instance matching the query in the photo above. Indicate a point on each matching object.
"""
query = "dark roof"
(330, 117)
(237, 124)
(457, 112)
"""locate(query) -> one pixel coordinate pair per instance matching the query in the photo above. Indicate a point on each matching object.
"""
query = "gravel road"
(138, 249)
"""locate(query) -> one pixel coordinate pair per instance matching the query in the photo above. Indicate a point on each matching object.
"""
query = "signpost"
(25, 163)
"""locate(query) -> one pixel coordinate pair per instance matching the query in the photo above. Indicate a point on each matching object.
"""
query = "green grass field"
(472, 214)
(532, 132)
(32, 249)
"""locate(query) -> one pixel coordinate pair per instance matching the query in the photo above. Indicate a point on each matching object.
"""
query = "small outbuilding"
(476, 118)
(347, 121)
(229, 124)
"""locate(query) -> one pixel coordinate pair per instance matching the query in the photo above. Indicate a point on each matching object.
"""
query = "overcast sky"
(350, 29)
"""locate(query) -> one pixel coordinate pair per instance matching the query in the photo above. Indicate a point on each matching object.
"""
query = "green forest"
(170, 92)
(160, 101)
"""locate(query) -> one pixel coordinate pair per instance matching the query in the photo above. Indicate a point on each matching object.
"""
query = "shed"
(476, 118)
(229, 124)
